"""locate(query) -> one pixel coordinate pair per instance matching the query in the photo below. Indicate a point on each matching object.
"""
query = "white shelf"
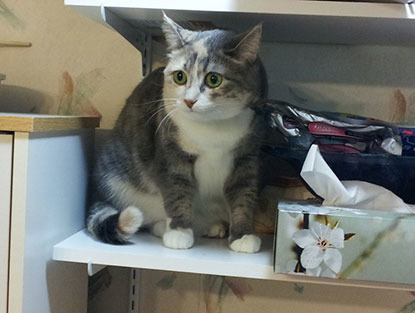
(208, 256)
(283, 20)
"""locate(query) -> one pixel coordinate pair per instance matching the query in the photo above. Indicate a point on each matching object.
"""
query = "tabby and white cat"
(182, 159)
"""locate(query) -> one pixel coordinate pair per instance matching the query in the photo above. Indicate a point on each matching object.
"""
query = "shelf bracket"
(94, 268)
(138, 37)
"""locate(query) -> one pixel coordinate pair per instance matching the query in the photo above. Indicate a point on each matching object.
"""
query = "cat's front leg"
(178, 190)
(241, 191)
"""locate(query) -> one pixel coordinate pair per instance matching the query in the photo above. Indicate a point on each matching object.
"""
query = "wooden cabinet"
(43, 177)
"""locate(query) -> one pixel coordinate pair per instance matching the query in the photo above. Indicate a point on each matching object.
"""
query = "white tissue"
(350, 194)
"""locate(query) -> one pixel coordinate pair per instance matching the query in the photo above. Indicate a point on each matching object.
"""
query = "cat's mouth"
(209, 114)
(200, 110)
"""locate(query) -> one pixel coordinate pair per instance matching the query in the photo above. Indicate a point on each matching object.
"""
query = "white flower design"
(320, 243)
(292, 264)
(328, 273)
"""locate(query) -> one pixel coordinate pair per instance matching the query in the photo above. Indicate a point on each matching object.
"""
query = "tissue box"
(343, 243)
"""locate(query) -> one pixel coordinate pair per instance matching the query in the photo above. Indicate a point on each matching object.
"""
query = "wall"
(75, 65)
(190, 293)
(375, 81)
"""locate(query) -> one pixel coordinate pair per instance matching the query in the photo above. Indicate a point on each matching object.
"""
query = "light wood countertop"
(18, 122)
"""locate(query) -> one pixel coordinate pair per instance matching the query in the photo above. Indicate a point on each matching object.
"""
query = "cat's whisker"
(164, 119)
(164, 105)
(156, 101)
(168, 100)
(170, 121)
(158, 110)
(163, 102)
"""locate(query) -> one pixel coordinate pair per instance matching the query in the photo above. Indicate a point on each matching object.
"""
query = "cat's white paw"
(180, 238)
(159, 228)
(130, 221)
(217, 231)
(246, 244)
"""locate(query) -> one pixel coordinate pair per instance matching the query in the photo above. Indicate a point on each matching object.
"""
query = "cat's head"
(212, 75)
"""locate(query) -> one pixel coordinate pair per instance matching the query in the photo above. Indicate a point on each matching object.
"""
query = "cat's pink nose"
(190, 103)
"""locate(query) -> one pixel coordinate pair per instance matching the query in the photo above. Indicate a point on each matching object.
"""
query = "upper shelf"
(283, 20)
(208, 256)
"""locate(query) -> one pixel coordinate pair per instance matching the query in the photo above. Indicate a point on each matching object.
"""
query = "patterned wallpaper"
(162, 292)
(74, 66)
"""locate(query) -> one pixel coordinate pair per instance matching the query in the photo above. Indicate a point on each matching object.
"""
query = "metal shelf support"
(138, 37)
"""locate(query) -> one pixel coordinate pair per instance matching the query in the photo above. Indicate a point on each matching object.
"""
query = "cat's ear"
(244, 47)
(176, 36)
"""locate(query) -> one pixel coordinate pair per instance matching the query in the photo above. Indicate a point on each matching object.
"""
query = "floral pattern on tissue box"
(345, 243)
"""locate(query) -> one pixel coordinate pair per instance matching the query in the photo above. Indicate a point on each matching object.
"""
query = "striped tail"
(111, 225)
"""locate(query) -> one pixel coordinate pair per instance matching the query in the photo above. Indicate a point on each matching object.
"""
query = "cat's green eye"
(180, 77)
(213, 80)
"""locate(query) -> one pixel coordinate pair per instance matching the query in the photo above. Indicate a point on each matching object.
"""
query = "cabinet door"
(5, 196)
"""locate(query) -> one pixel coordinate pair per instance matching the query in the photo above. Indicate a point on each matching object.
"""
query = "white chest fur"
(211, 170)
(214, 144)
